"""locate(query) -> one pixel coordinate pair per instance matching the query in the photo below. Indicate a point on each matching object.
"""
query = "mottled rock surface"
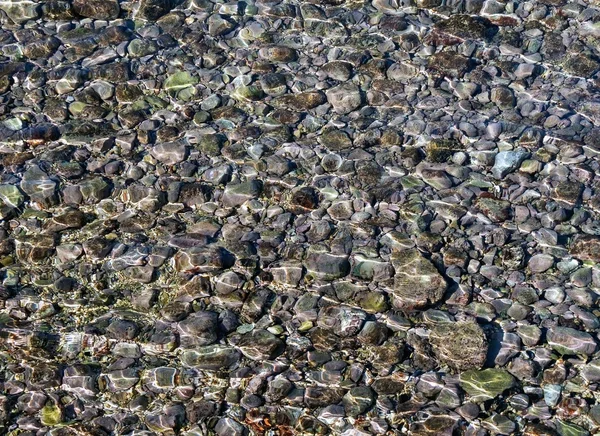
(283, 217)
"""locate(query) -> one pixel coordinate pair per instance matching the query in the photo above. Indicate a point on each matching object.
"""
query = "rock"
(278, 54)
(341, 320)
(460, 345)
(581, 65)
(568, 193)
(211, 358)
(39, 187)
(338, 70)
(97, 9)
(508, 161)
(503, 97)
(152, 10)
(417, 282)
(179, 81)
(496, 210)
(220, 25)
(358, 400)
(441, 150)
(567, 340)
(229, 427)
(170, 153)
(450, 64)
(486, 384)
(20, 11)
(203, 259)
(586, 247)
(466, 27)
(326, 266)
(236, 195)
(11, 195)
(541, 262)
(344, 98)
(199, 329)
(261, 345)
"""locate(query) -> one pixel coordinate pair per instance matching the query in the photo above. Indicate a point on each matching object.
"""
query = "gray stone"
(344, 98)
(508, 161)
(567, 340)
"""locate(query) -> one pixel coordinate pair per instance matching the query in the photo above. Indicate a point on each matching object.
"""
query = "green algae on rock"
(460, 345)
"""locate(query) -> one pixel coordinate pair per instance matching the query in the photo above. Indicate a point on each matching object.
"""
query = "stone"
(486, 384)
(358, 400)
(261, 345)
(20, 11)
(417, 282)
(566, 340)
(466, 27)
(441, 150)
(508, 161)
(460, 345)
(211, 358)
(586, 247)
(11, 195)
(541, 262)
(152, 10)
(39, 187)
(170, 153)
(97, 9)
(238, 194)
(326, 266)
(344, 98)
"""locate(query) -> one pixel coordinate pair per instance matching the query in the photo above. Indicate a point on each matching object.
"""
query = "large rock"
(460, 345)
(203, 259)
(20, 11)
(417, 282)
(97, 9)
(39, 186)
(154, 9)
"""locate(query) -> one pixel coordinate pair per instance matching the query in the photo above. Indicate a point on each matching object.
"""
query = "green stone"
(248, 93)
(568, 429)
(11, 195)
(51, 415)
(486, 384)
(178, 81)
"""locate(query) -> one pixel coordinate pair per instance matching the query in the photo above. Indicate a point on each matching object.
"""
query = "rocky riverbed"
(299, 217)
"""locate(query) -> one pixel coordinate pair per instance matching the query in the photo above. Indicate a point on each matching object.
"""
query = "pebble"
(282, 217)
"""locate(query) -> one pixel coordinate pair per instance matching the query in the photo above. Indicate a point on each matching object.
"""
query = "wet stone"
(486, 384)
(97, 9)
(284, 217)
(417, 282)
(567, 340)
(460, 345)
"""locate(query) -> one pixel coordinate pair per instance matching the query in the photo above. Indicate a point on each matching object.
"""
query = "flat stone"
(567, 340)
(486, 384)
(211, 358)
(97, 9)
(541, 262)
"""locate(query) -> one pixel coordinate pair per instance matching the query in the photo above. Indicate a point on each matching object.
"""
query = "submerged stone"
(486, 384)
